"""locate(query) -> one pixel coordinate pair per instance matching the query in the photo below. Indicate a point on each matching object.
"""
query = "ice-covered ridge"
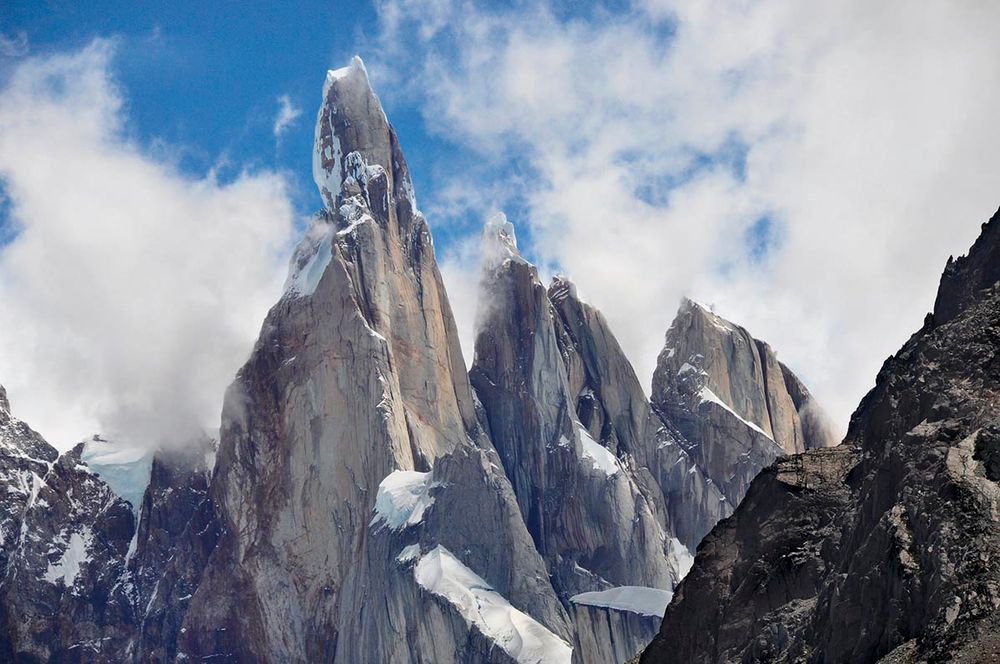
(519, 635)
(402, 498)
(124, 468)
(708, 396)
(635, 599)
(600, 456)
(356, 65)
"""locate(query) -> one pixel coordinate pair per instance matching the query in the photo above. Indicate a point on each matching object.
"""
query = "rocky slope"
(884, 548)
(65, 536)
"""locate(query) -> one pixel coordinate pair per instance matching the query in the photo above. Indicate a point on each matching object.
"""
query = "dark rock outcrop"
(178, 484)
(885, 547)
(65, 536)
(595, 517)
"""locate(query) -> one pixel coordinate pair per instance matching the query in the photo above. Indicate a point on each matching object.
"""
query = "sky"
(806, 169)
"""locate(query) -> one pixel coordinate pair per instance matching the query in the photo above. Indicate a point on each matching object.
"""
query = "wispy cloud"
(131, 292)
(15, 45)
(287, 114)
(659, 136)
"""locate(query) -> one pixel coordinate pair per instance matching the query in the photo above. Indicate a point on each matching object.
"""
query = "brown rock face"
(884, 547)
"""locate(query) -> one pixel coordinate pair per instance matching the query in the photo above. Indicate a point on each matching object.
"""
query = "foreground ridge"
(884, 547)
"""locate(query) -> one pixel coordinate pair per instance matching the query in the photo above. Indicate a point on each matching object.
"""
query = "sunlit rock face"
(884, 548)
(357, 505)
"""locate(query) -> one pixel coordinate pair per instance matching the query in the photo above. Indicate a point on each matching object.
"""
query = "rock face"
(63, 594)
(177, 486)
(735, 405)
(357, 504)
(612, 406)
(884, 547)
(594, 516)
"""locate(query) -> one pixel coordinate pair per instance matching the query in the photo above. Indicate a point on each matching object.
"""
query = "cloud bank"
(130, 293)
(806, 167)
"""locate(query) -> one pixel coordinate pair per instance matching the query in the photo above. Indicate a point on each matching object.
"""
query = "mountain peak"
(356, 67)
(499, 242)
(562, 288)
(350, 120)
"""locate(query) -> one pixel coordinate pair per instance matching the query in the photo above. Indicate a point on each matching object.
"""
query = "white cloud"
(287, 114)
(869, 134)
(132, 292)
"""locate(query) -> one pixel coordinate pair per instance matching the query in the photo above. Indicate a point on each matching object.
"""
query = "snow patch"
(411, 552)
(76, 553)
(683, 557)
(601, 456)
(708, 396)
(519, 635)
(356, 65)
(403, 497)
(634, 599)
(499, 243)
(310, 260)
(688, 367)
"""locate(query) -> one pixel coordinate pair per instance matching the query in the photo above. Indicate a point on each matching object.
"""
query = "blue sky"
(202, 82)
(204, 78)
(805, 167)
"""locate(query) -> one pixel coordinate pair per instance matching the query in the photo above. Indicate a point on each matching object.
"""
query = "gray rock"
(354, 408)
(595, 519)
(737, 408)
(612, 405)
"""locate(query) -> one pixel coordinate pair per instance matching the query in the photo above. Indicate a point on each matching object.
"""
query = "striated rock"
(591, 514)
(735, 405)
(612, 406)
(885, 547)
(63, 596)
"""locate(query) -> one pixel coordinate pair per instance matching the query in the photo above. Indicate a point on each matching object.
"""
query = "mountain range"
(369, 498)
